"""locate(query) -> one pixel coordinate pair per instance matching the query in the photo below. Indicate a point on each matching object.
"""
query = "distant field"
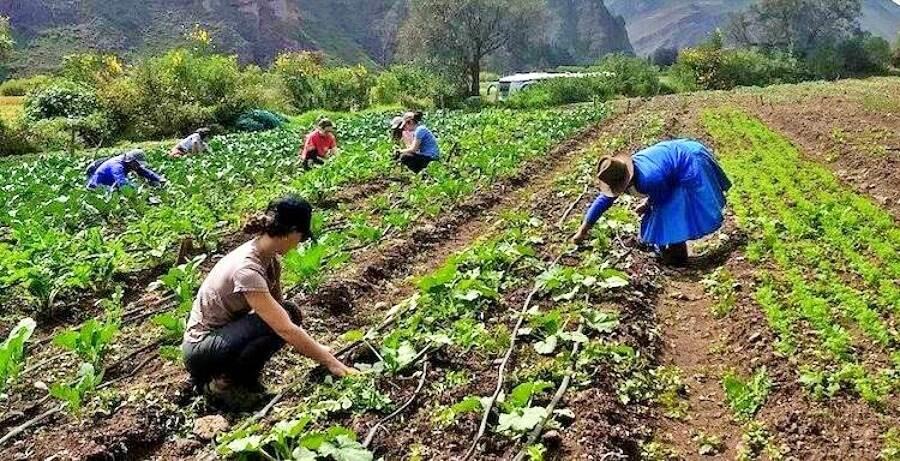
(10, 107)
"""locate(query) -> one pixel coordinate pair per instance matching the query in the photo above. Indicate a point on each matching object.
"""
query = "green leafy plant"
(746, 397)
(708, 445)
(89, 341)
(12, 351)
(74, 394)
(445, 416)
(291, 440)
(518, 416)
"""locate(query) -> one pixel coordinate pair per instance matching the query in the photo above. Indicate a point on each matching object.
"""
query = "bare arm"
(413, 148)
(276, 317)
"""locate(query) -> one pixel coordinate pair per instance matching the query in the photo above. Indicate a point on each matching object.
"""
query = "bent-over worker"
(113, 172)
(319, 144)
(192, 145)
(684, 187)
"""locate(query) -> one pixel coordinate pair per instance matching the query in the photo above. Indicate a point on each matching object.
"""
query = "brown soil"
(860, 144)
(690, 336)
(352, 299)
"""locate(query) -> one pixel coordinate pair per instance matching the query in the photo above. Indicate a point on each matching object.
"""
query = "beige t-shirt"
(221, 297)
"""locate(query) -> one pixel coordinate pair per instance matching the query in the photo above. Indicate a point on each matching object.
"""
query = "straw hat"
(614, 174)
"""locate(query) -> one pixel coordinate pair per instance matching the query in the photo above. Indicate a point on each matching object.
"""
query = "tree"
(455, 36)
(664, 56)
(796, 26)
(6, 40)
(895, 59)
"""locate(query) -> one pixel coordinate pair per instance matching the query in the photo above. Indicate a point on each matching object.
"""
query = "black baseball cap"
(292, 214)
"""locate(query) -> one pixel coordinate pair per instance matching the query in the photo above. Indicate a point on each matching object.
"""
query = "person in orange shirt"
(319, 144)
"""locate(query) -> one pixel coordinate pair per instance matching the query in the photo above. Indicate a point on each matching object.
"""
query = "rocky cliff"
(355, 31)
(679, 23)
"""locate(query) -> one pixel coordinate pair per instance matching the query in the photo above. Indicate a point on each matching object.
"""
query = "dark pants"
(415, 162)
(312, 157)
(237, 351)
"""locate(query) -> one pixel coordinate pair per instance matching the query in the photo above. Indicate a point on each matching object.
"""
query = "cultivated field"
(481, 330)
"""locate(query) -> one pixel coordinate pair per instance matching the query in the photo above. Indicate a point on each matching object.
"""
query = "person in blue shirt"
(424, 147)
(113, 172)
(684, 187)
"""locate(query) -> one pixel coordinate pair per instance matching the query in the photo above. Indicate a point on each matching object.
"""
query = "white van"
(512, 84)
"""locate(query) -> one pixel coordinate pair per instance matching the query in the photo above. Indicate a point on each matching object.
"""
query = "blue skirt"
(693, 209)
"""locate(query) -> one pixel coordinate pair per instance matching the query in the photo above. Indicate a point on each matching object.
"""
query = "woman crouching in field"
(685, 190)
(240, 318)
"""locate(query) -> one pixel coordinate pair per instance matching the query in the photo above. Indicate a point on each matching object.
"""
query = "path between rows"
(690, 336)
(142, 428)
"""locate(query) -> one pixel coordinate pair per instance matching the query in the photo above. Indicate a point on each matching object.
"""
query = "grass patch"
(11, 107)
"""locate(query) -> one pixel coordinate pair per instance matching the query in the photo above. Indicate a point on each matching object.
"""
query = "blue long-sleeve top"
(113, 173)
(658, 170)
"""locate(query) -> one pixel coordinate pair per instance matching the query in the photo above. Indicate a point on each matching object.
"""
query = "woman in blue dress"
(685, 191)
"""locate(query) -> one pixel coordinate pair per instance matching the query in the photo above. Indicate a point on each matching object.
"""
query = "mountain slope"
(352, 31)
(677, 23)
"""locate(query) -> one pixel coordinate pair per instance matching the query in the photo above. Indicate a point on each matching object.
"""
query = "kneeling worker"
(240, 318)
(319, 144)
(192, 145)
(424, 147)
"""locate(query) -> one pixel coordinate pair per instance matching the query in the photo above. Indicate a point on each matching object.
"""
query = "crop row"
(479, 162)
(59, 237)
(831, 294)
(455, 329)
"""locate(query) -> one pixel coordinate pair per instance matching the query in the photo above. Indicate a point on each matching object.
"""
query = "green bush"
(664, 56)
(93, 69)
(411, 87)
(344, 88)
(630, 76)
(865, 54)
(62, 98)
(895, 58)
(299, 72)
(266, 88)
(825, 62)
(176, 93)
(53, 134)
(714, 68)
(559, 91)
(14, 139)
(259, 120)
(23, 86)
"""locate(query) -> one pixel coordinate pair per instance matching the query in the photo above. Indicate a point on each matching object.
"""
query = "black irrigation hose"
(31, 422)
(501, 373)
(502, 370)
(557, 397)
(372, 432)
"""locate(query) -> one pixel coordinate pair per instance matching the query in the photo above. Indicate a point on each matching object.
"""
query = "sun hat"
(397, 123)
(135, 156)
(614, 174)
